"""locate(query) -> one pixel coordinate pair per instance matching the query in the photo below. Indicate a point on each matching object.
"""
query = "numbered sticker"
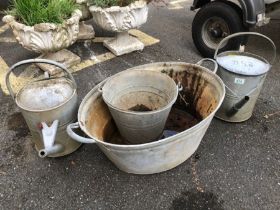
(239, 81)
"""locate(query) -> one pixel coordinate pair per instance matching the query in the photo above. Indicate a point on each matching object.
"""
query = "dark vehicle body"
(217, 19)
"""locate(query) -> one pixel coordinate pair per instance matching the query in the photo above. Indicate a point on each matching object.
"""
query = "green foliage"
(31, 12)
(110, 3)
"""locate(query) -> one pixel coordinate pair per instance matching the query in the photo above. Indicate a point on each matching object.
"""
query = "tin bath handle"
(7, 79)
(75, 136)
(211, 60)
(247, 33)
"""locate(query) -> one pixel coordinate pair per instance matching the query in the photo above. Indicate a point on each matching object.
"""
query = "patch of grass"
(110, 3)
(31, 12)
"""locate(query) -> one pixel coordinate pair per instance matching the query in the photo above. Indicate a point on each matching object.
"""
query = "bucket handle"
(7, 79)
(247, 33)
(211, 60)
(75, 136)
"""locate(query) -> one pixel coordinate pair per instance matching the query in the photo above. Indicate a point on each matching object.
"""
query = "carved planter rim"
(81, 1)
(120, 19)
(46, 37)
(42, 27)
(135, 5)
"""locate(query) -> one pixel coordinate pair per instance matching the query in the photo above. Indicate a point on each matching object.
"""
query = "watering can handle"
(211, 60)
(75, 136)
(247, 33)
(36, 61)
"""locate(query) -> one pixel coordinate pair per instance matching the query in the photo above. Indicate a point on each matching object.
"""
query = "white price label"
(239, 81)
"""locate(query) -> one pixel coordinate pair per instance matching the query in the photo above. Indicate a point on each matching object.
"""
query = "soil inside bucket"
(140, 108)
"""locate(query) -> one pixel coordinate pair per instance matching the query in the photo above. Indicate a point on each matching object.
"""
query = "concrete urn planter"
(46, 37)
(120, 20)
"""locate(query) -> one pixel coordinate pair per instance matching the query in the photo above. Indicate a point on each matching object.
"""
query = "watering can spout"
(57, 148)
(238, 106)
(49, 134)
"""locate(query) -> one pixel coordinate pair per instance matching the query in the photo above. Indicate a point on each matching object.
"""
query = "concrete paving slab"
(65, 57)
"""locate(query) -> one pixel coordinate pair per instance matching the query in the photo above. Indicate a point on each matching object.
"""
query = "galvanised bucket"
(48, 106)
(140, 102)
(202, 88)
(243, 74)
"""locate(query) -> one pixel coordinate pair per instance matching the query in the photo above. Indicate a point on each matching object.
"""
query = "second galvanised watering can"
(48, 105)
(243, 74)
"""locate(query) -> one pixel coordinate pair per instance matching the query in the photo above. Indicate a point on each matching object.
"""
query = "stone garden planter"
(49, 39)
(46, 37)
(120, 20)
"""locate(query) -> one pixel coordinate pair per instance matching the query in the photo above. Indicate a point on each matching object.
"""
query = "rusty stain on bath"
(98, 119)
(196, 90)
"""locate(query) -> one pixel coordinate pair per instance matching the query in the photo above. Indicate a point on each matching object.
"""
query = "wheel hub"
(214, 30)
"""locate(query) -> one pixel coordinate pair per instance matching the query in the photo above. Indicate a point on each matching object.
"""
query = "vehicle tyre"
(212, 23)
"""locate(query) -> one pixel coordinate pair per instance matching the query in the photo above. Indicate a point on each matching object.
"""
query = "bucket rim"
(167, 106)
(49, 109)
(244, 53)
(157, 143)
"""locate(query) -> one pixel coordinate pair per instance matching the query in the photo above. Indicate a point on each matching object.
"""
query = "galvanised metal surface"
(207, 92)
(128, 92)
(48, 105)
(243, 86)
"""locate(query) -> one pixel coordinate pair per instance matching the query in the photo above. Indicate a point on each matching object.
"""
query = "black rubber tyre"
(231, 21)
